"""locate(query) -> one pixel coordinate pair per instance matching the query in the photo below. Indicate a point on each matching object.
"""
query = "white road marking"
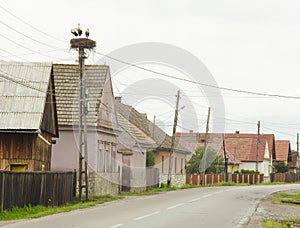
(208, 195)
(194, 200)
(117, 225)
(177, 205)
(145, 216)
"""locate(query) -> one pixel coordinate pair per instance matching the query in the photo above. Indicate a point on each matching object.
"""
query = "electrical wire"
(29, 25)
(198, 83)
(28, 37)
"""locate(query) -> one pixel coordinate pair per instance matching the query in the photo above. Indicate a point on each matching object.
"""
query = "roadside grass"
(293, 198)
(40, 211)
(284, 198)
(275, 224)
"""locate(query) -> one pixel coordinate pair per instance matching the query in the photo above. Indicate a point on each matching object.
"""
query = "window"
(18, 167)
(162, 164)
(181, 166)
(114, 157)
(100, 156)
(107, 157)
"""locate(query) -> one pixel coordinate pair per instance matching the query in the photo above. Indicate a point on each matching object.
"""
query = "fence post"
(74, 183)
(2, 191)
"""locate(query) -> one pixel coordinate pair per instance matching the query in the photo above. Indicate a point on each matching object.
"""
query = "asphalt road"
(200, 207)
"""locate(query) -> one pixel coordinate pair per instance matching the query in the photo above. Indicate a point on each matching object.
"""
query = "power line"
(37, 41)
(11, 54)
(36, 29)
(199, 83)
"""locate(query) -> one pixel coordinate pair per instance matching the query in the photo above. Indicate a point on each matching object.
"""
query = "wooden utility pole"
(153, 129)
(173, 140)
(297, 150)
(203, 164)
(257, 145)
(298, 144)
(225, 160)
(81, 44)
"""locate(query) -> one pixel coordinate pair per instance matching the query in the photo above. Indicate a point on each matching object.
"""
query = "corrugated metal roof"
(23, 91)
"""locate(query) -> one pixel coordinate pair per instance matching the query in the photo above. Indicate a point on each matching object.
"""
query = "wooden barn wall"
(49, 122)
(42, 153)
(26, 149)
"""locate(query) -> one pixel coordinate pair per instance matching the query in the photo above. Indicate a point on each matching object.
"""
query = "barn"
(28, 117)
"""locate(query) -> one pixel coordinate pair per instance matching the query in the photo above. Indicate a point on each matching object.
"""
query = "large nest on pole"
(82, 43)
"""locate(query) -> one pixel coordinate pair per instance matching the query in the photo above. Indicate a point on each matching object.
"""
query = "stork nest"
(82, 43)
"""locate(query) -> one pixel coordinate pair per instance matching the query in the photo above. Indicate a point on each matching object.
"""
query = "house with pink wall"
(104, 161)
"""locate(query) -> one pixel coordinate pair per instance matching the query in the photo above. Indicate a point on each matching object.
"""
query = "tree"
(150, 158)
(214, 163)
(281, 167)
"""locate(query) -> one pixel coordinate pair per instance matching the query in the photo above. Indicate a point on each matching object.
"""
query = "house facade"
(144, 137)
(28, 118)
(104, 162)
(286, 155)
(241, 149)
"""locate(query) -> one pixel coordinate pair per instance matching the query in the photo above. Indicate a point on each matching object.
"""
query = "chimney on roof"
(144, 115)
(118, 99)
(237, 132)
(191, 131)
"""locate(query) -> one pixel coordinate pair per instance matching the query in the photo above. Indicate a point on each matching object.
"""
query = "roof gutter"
(38, 132)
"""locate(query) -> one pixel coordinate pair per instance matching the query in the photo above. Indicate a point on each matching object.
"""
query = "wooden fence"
(36, 188)
(198, 179)
(285, 177)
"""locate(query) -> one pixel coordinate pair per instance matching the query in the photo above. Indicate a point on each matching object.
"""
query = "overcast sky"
(251, 45)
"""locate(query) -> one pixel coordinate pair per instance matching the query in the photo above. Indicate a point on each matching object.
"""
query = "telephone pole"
(225, 160)
(297, 150)
(257, 145)
(81, 44)
(298, 144)
(173, 140)
(203, 164)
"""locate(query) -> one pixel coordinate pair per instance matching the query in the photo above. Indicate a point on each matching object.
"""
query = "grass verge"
(283, 198)
(39, 211)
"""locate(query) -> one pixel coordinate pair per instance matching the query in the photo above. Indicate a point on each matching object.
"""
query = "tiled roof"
(23, 92)
(244, 149)
(66, 78)
(282, 150)
(239, 147)
(139, 121)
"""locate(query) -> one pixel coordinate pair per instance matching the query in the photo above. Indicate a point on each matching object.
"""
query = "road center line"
(208, 195)
(177, 205)
(194, 200)
(117, 225)
(145, 216)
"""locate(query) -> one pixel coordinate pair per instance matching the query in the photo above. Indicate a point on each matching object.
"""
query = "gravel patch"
(267, 210)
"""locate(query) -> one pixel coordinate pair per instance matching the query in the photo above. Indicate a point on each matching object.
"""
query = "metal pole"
(173, 140)
(81, 44)
(81, 54)
(85, 112)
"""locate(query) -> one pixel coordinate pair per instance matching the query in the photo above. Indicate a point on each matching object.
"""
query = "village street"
(199, 207)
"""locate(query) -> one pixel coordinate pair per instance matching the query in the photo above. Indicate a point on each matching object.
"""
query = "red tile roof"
(239, 147)
(245, 148)
(283, 150)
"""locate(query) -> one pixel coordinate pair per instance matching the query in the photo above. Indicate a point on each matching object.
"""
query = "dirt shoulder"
(267, 210)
